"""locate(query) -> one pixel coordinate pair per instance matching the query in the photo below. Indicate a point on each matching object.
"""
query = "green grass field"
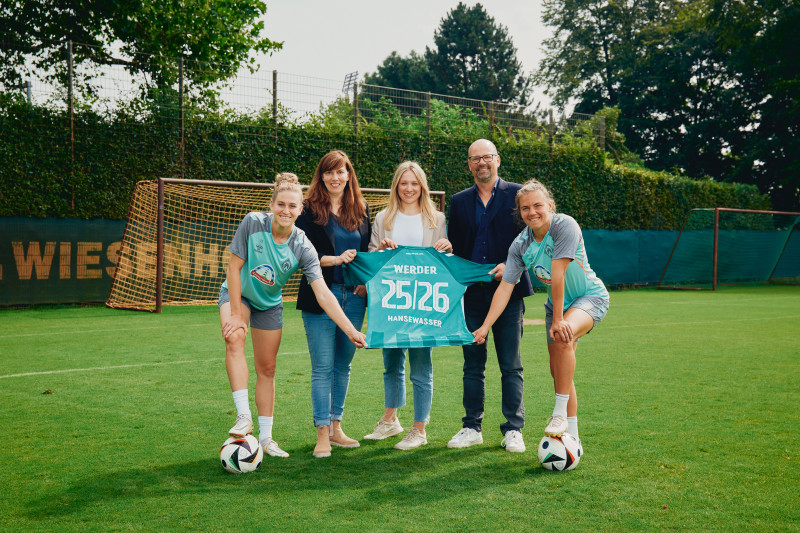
(689, 414)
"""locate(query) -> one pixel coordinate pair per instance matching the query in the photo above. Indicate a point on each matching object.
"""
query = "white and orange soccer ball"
(560, 453)
(241, 455)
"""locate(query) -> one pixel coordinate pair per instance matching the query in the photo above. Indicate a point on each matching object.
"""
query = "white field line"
(116, 367)
(103, 330)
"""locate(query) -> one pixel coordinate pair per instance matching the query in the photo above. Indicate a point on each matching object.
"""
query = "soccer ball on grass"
(241, 454)
(559, 453)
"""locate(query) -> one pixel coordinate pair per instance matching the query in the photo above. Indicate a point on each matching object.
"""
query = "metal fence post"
(428, 118)
(70, 104)
(355, 108)
(275, 104)
(182, 154)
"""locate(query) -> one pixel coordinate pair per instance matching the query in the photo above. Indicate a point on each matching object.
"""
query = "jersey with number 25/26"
(415, 296)
(267, 264)
(563, 241)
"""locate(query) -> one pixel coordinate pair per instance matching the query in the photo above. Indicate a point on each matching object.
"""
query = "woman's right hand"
(232, 324)
(358, 338)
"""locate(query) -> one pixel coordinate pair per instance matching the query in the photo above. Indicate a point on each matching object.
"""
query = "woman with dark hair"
(335, 219)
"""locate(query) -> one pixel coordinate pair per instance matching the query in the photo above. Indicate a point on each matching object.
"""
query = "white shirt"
(407, 230)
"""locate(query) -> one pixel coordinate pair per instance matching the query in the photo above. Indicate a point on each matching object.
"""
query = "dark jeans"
(507, 335)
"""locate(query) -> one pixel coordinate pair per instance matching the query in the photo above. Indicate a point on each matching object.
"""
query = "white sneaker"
(413, 439)
(513, 442)
(384, 430)
(242, 427)
(556, 426)
(466, 437)
(271, 448)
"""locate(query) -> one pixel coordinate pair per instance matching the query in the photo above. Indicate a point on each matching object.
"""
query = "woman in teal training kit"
(552, 248)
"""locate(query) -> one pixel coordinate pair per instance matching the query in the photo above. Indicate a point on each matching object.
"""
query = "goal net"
(734, 246)
(174, 249)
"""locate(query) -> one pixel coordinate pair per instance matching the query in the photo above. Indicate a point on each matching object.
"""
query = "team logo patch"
(286, 265)
(264, 273)
(542, 274)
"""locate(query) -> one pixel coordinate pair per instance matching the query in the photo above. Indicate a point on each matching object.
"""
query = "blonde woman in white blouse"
(410, 220)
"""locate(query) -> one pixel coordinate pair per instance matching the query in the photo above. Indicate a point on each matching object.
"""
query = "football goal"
(734, 246)
(174, 249)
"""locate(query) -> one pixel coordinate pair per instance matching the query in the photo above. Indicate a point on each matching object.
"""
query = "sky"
(331, 38)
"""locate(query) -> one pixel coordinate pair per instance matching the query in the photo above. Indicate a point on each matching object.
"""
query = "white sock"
(264, 429)
(572, 426)
(561, 405)
(242, 403)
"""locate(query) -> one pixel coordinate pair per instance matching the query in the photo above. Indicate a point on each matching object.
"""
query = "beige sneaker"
(384, 430)
(271, 448)
(243, 426)
(556, 426)
(413, 439)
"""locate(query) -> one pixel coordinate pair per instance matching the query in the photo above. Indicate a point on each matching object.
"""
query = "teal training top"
(415, 295)
(563, 241)
(268, 265)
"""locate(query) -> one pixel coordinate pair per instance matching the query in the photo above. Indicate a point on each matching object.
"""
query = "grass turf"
(112, 420)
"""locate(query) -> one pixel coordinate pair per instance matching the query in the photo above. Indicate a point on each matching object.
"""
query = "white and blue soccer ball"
(560, 453)
(241, 455)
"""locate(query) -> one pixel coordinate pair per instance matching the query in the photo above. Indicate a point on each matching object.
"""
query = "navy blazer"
(503, 228)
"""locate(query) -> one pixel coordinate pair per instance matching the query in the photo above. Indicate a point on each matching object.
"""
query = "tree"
(473, 57)
(704, 87)
(409, 73)
(149, 34)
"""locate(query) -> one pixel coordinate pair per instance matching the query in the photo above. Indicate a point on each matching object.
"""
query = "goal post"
(734, 246)
(174, 249)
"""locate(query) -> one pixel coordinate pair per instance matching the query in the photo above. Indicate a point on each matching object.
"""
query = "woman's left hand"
(563, 329)
(361, 290)
(443, 245)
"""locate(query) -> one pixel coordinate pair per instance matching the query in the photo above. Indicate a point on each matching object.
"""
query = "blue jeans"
(507, 335)
(331, 354)
(394, 379)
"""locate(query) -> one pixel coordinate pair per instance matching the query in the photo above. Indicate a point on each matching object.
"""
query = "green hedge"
(40, 178)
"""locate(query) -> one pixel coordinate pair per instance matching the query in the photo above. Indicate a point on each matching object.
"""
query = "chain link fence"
(102, 114)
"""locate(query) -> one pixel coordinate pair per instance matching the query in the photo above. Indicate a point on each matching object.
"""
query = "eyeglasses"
(475, 159)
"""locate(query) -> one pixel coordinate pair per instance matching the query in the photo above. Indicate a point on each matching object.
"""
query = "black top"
(322, 239)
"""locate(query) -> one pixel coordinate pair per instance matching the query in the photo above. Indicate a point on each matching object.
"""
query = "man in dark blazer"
(481, 228)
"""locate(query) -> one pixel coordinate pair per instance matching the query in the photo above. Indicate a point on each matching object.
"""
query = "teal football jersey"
(415, 296)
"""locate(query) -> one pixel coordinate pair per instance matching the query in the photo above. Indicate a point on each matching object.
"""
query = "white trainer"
(556, 426)
(242, 427)
(466, 437)
(271, 448)
(413, 439)
(513, 442)
(384, 430)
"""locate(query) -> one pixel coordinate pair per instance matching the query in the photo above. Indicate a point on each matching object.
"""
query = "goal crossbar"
(172, 220)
